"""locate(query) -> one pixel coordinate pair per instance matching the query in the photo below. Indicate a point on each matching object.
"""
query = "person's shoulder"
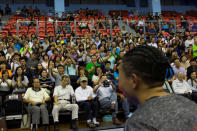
(89, 64)
(70, 86)
(42, 90)
(89, 87)
(29, 89)
(58, 87)
(78, 88)
(160, 110)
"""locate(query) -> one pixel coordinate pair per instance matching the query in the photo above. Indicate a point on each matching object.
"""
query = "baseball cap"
(82, 79)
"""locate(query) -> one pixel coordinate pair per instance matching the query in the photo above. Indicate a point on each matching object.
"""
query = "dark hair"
(55, 50)
(23, 58)
(56, 58)
(42, 71)
(38, 71)
(5, 71)
(107, 62)
(96, 70)
(148, 63)
(51, 61)
(176, 59)
(16, 75)
(60, 66)
(45, 55)
(194, 59)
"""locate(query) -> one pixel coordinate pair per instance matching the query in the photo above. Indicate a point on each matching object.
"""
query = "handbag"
(26, 121)
(13, 104)
(19, 90)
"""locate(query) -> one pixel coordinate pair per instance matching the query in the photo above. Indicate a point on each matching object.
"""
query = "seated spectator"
(32, 61)
(2, 57)
(184, 62)
(26, 50)
(82, 73)
(70, 67)
(115, 50)
(124, 31)
(5, 85)
(45, 82)
(96, 77)
(52, 65)
(37, 71)
(177, 68)
(26, 70)
(15, 62)
(141, 22)
(55, 53)
(184, 23)
(36, 98)
(105, 91)
(57, 76)
(62, 96)
(9, 54)
(189, 54)
(165, 27)
(191, 68)
(45, 61)
(111, 58)
(193, 81)
(91, 67)
(194, 47)
(180, 86)
(19, 81)
(108, 71)
(97, 41)
(4, 68)
(188, 42)
(58, 61)
(153, 43)
(85, 99)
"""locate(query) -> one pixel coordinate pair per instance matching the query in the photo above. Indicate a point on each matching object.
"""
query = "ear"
(134, 81)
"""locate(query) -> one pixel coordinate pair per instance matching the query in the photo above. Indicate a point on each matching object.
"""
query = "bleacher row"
(45, 27)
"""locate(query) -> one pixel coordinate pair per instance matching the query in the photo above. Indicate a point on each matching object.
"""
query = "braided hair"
(148, 63)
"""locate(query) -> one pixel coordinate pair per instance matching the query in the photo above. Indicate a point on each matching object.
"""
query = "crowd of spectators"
(88, 66)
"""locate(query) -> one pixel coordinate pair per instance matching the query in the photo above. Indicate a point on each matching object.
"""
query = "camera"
(106, 83)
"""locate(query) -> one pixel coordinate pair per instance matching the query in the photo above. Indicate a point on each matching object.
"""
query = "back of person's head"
(146, 62)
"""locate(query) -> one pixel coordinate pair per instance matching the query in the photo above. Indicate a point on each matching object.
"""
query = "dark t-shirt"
(165, 113)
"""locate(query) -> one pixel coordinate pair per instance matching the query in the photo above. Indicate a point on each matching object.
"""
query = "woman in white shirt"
(188, 42)
(193, 81)
(45, 61)
(5, 84)
(19, 81)
(96, 77)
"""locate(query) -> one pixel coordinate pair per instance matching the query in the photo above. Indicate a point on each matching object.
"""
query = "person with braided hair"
(142, 74)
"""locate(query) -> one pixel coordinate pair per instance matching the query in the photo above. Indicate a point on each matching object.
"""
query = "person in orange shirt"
(2, 68)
